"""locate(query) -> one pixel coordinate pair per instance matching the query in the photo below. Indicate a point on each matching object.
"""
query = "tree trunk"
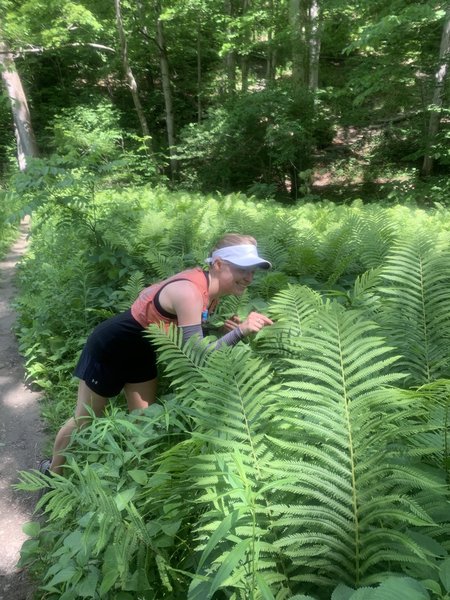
(271, 58)
(297, 22)
(438, 94)
(199, 75)
(314, 45)
(244, 73)
(271, 51)
(246, 39)
(230, 57)
(132, 84)
(26, 142)
(167, 92)
(146, 40)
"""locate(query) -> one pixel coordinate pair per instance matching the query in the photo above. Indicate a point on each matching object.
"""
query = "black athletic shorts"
(117, 352)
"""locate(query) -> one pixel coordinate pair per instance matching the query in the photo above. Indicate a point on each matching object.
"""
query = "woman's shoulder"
(194, 274)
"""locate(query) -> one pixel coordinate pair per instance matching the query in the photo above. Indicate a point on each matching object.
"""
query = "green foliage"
(415, 310)
(290, 487)
(294, 462)
(255, 140)
(85, 131)
(241, 123)
(8, 230)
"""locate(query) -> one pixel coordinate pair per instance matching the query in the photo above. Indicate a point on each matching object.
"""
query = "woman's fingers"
(254, 323)
(232, 323)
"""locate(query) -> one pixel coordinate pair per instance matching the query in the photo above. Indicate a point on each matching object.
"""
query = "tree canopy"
(237, 95)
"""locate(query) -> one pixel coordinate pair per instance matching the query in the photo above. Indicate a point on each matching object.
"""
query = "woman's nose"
(249, 276)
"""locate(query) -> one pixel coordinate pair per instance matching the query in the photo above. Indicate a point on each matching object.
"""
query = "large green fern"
(415, 310)
(343, 439)
(232, 405)
(313, 483)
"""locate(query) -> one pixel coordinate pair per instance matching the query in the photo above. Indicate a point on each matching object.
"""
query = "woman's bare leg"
(140, 395)
(86, 398)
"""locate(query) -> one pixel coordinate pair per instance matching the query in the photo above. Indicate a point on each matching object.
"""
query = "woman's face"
(233, 279)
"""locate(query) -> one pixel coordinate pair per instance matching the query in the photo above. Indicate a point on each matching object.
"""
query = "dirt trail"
(21, 435)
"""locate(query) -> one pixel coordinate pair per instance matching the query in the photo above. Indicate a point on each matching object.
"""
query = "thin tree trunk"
(298, 43)
(245, 57)
(271, 53)
(244, 73)
(199, 75)
(167, 92)
(314, 45)
(230, 68)
(438, 93)
(230, 57)
(146, 42)
(271, 58)
(132, 84)
(26, 142)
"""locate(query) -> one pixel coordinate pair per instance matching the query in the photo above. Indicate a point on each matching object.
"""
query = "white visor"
(243, 255)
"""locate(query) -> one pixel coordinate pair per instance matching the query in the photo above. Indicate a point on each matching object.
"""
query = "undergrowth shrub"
(8, 228)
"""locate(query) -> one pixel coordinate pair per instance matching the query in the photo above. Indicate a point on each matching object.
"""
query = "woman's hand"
(254, 323)
(232, 323)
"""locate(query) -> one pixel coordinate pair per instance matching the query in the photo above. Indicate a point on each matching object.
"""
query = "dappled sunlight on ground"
(21, 437)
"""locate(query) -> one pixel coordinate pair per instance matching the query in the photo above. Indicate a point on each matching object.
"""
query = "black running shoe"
(44, 467)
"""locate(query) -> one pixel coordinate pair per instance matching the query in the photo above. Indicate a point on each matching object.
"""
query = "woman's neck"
(213, 288)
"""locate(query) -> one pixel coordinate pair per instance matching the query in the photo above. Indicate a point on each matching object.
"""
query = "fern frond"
(376, 237)
(362, 295)
(415, 311)
(182, 363)
(434, 439)
(342, 430)
(163, 265)
(131, 290)
(291, 309)
(339, 249)
(232, 400)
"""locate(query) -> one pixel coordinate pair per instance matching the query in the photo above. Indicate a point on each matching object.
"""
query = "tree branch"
(39, 50)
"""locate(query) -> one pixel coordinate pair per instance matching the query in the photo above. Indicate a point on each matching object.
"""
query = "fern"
(339, 250)
(182, 363)
(130, 291)
(416, 308)
(434, 442)
(290, 310)
(163, 265)
(348, 495)
(352, 497)
(363, 296)
(231, 401)
(376, 237)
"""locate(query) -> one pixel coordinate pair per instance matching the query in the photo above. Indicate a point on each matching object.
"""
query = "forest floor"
(22, 435)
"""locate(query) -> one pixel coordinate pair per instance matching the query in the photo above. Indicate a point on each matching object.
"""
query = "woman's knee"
(140, 395)
(88, 402)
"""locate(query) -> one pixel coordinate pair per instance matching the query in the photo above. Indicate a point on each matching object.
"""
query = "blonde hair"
(233, 239)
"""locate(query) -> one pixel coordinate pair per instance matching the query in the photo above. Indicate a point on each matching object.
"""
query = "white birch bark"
(438, 93)
(26, 142)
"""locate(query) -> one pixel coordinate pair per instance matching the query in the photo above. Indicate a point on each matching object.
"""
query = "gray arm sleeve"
(230, 339)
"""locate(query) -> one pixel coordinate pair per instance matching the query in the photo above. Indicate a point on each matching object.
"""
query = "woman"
(119, 356)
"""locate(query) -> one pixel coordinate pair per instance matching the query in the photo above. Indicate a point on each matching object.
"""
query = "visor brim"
(261, 264)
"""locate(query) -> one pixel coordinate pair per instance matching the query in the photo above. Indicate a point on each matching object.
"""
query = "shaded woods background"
(275, 99)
